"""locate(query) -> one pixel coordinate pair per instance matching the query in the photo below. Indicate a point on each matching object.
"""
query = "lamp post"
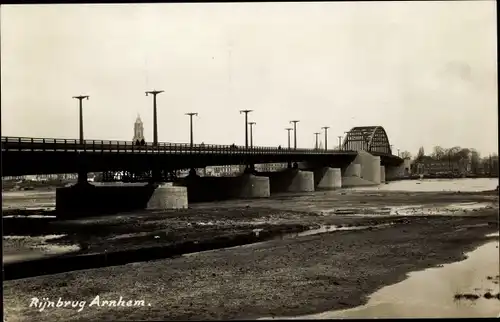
(155, 115)
(80, 99)
(251, 133)
(340, 142)
(316, 144)
(295, 133)
(288, 129)
(326, 136)
(191, 125)
(347, 139)
(246, 125)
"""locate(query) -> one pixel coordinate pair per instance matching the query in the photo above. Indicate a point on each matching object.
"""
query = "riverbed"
(353, 244)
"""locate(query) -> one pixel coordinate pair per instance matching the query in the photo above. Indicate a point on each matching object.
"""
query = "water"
(465, 184)
(301, 201)
(431, 293)
(21, 248)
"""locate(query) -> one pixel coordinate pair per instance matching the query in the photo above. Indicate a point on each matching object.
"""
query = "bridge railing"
(114, 146)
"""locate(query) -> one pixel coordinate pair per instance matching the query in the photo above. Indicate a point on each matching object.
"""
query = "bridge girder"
(367, 138)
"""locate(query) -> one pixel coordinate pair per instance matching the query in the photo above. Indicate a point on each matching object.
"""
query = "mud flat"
(119, 239)
(285, 277)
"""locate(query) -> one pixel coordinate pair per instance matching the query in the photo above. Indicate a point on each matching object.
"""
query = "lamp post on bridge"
(398, 152)
(80, 99)
(316, 144)
(288, 129)
(251, 133)
(295, 133)
(246, 125)
(340, 142)
(155, 115)
(326, 136)
(347, 135)
(191, 125)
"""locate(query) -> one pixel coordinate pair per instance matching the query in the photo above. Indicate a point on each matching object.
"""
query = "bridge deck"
(21, 156)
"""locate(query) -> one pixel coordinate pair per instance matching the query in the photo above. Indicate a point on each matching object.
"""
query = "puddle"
(131, 235)
(431, 293)
(407, 210)
(33, 238)
(208, 223)
(332, 228)
(321, 230)
(20, 248)
(30, 216)
(439, 210)
(257, 231)
(469, 205)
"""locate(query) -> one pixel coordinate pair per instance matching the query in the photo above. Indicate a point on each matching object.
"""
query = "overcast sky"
(425, 71)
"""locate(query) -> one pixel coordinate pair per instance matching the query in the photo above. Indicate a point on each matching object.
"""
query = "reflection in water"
(430, 293)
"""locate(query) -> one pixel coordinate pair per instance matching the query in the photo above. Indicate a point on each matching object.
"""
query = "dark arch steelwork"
(367, 138)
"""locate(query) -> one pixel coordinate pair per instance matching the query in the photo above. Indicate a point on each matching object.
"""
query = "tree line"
(457, 154)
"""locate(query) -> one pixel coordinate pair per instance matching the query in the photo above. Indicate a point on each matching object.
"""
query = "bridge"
(24, 156)
(364, 158)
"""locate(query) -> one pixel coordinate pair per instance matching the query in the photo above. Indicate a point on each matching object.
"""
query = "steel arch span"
(367, 138)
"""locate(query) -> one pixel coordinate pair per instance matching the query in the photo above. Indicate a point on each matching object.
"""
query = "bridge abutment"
(363, 171)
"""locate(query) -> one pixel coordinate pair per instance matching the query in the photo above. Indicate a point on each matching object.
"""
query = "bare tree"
(438, 153)
(453, 154)
(405, 155)
(475, 160)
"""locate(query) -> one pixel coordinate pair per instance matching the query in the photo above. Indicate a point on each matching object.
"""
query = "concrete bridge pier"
(205, 189)
(166, 196)
(382, 174)
(89, 200)
(290, 180)
(250, 169)
(82, 178)
(327, 178)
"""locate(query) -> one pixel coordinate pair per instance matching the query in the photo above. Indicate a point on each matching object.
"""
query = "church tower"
(138, 130)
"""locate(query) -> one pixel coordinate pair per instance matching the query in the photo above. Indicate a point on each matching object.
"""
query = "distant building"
(226, 170)
(270, 167)
(138, 130)
(429, 165)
